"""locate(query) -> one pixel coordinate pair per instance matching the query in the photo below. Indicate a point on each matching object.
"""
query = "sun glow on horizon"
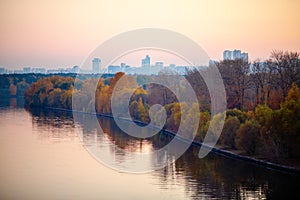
(61, 34)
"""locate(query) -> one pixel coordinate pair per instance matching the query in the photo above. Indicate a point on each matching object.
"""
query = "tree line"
(17, 84)
(263, 101)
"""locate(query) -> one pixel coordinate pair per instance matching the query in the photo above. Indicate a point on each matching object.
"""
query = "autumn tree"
(290, 113)
(287, 68)
(142, 112)
(203, 125)
(53, 91)
(261, 77)
(234, 74)
(200, 88)
(228, 136)
(248, 137)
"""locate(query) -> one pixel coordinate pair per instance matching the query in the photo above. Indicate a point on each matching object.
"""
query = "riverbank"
(281, 166)
(288, 165)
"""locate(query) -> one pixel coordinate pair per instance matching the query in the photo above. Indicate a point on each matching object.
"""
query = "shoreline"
(217, 150)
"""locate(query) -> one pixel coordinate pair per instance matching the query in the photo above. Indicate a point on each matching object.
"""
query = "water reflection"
(53, 125)
(14, 102)
(214, 176)
(113, 147)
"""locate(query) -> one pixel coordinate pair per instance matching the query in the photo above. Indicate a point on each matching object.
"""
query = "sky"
(62, 33)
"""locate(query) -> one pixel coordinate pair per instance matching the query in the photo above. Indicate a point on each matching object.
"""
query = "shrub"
(228, 136)
(248, 137)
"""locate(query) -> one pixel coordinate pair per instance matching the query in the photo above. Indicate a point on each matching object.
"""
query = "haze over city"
(61, 34)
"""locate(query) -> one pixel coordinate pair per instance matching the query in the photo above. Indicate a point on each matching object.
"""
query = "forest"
(12, 85)
(263, 102)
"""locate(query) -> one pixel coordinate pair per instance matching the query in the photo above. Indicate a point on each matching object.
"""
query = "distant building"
(234, 55)
(112, 69)
(96, 65)
(146, 61)
(2, 70)
(181, 69)
(227, 55)
(26, 70)
(123, 67)
(172, 65)
(39, 70)
(61, 70)
(244, 56)
(9, 71)
(53, 71)
(262, 66)
(126, 69)
(18, 71)
(75, 69)
(159, 64)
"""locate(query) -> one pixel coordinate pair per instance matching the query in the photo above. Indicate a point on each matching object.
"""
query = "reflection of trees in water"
(53, 124)
(212, 177)
(129, 143)
(55, 118)
(121, 145)
(14, 102)
(219, 177)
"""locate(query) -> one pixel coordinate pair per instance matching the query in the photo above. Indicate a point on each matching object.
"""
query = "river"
(42, 157)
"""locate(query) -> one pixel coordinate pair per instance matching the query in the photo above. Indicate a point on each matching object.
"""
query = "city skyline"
(32, 36)
(118, 65)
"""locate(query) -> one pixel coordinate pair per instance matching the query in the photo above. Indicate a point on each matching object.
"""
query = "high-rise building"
(123, 66)
(236, 54)
(227, 55)
(146, 61)
(96, 65)
(244, 56)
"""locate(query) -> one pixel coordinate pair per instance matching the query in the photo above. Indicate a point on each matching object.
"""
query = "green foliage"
(203, 125)
(216, 124)
(228, 136)
(242, 116)
(248, 137)
(294, 93)
(279, 129)
(133, 109)
(290, 121)
(263, 113)
(142, 112)
(173, 116)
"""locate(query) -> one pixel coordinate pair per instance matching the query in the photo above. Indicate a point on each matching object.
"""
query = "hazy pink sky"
(62, 33)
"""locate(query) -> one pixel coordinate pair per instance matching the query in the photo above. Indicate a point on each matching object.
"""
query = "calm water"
(42, 157)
